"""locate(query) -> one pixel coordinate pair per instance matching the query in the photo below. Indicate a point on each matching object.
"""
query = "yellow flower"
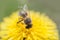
(43, 28)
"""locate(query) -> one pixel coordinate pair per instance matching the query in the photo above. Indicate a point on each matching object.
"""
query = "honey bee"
(26, 19)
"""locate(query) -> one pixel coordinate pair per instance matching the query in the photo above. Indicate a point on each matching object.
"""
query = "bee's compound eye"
(27, 21)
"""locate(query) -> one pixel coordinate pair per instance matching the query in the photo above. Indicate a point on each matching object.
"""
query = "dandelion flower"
(43, 28)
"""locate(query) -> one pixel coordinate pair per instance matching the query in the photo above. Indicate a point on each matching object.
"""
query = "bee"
(26, 19)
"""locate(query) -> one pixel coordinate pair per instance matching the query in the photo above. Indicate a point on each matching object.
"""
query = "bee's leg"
(19, 21)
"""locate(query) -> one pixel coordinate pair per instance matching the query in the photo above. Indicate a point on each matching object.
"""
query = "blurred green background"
(50, 7)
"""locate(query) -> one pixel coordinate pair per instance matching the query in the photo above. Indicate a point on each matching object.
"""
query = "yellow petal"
(43, 28)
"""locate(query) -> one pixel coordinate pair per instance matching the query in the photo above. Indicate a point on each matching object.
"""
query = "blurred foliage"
(50, 7)
(6, 7)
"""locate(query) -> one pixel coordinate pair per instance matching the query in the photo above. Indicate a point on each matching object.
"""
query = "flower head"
(43, 28)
